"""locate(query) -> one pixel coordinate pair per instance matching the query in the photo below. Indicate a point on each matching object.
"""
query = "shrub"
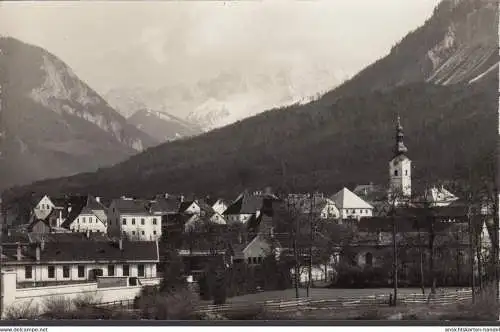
(22, 311)
(58, 307)
(86, 300)
(178, 305)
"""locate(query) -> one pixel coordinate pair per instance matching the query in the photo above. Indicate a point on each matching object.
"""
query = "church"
(432, 218)
(399, 192)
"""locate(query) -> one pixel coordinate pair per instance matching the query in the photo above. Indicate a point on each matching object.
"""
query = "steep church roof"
(346, 199)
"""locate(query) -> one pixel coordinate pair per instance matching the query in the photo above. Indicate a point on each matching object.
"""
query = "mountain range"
(52, 123)
(162, 126)
(442, 80)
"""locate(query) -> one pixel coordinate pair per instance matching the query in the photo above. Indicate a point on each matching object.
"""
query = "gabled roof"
(185, 205)
(85, 250)
(212, 201)
(346, 199)
(248, 204)
(165, 205)
(132, 206)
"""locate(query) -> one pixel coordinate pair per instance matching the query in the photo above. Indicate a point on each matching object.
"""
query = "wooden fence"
(360, 303)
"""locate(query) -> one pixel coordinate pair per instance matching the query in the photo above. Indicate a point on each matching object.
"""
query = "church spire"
(400, 147)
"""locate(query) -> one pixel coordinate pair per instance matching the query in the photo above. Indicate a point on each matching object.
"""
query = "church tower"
(400, 167)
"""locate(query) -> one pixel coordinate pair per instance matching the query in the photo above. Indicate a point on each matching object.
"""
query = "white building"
(47, 206)
(400, 167)
(351, 206)
(90, 217)
(133, 219)
(81, 260)
(218, 205)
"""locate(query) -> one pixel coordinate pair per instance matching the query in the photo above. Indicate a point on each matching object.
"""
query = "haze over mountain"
(162, 126)
(54, 124)
(346, 136)
(214, 62)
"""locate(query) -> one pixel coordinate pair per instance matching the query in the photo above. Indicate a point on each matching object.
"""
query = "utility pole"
(395, 256)
(471, 253)
(311, 240)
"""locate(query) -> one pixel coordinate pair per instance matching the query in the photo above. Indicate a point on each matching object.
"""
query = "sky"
(162, 43)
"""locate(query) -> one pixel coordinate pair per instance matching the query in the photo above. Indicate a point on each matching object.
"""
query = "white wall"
(43, 208)
(356, 213)
(89, 222)
(41, 274)
(219, 207)
(37, 296)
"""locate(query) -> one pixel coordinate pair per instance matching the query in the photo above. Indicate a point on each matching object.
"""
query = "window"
(111, 270)
(65, 271)
(133, 221)
(126, 270)
(142, 221)
(133, 232)
(83, 220)
(52, 272)
(154, 232)
(81, 271)
(154, 221)
(395, 172)
(28, 272)
(249, 260)
(260, 260)
(90, 220)
(406, 172)
(142, 232)
(124, 221)
(140, 270)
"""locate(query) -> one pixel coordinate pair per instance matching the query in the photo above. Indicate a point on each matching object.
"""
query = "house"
(88, 217)
(350, 206)
(80, 260)
(323, 208)
(253, 252)
(218, 205)
(190, 207)
(372, 245)
(54, 208)
(165, 206)
(133, 218)
(209, 214)
(246, 205)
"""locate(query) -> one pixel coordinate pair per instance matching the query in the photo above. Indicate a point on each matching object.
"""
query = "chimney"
(37, 253)
(19, 254)
(120, 244)
(182, 198)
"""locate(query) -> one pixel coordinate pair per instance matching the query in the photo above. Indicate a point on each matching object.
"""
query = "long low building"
(80, 260)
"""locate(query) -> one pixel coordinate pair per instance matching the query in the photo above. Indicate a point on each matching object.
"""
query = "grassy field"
(327, 293)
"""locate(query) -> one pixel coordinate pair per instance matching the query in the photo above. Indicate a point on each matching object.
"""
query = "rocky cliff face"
(469, 49)
(458, 44)
(53, 124)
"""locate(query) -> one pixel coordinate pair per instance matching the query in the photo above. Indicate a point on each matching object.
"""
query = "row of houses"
(243, 230)
(142, 219)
